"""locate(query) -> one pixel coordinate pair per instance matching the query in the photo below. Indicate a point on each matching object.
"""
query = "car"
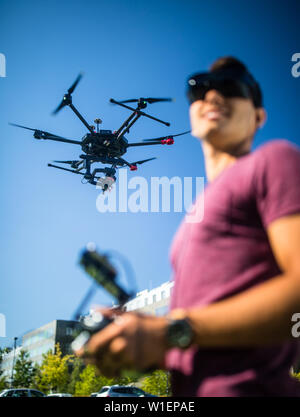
(122, 391)
(21, 392)
(60, 394)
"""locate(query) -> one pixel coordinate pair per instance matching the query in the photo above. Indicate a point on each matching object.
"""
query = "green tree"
(3, 381)
(157, 383)
(90, 381)
(77, 368)
(52, 375)
(24, 370)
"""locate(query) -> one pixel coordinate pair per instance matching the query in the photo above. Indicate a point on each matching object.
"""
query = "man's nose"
(214, 96)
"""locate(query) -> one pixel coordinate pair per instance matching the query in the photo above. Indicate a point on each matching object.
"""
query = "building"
(40, 341)
(7, 362)
(155, 301)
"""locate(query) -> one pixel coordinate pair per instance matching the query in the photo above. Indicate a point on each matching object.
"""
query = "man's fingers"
(117, 346)
(99, 341)
(108, 312)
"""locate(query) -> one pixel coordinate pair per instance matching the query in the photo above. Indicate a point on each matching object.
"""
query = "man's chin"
(212, 136)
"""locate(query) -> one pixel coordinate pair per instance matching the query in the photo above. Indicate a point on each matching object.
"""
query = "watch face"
(180, 334)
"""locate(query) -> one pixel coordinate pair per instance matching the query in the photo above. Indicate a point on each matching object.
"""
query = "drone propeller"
(165, 137)
(142, 161)
(66, 169)
(74, 85)
(74, 164)
(149, 100)
(67, 162)
(42, 134)
(23, 127)
(66, 99)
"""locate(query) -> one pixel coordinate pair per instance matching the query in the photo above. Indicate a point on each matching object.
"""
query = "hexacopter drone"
(104, 146)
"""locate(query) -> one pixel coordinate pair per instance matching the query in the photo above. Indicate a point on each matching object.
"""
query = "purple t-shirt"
(226, 253)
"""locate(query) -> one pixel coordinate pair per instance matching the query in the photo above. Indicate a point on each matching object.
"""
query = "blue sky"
(126, 49)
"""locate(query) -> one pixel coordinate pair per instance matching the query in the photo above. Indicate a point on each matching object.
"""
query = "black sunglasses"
(229, 82)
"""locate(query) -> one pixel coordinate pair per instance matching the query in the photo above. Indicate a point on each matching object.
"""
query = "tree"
(90, 381)
(157, 383)
(24, 370)
(52, 375)
(3, 381)
(77, 368)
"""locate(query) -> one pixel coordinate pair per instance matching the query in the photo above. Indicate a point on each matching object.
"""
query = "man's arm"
(262, 314)
(258, 316)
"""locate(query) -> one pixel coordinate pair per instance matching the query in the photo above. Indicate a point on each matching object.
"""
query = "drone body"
(104, 146)
(104, 143)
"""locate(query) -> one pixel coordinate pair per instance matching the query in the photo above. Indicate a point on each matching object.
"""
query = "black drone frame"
(86, 160)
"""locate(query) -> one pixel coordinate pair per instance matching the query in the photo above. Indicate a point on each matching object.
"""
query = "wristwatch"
(179, 334)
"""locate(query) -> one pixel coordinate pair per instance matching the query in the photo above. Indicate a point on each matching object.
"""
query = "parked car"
(21, 392)
(60, 394)
(122, 391)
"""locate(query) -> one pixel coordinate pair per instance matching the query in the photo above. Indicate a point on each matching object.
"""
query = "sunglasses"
(229, 82)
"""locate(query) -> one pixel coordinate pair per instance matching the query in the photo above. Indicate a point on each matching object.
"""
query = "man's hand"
(131, 341)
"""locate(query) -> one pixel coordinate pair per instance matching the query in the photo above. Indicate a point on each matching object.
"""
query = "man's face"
(225, 122)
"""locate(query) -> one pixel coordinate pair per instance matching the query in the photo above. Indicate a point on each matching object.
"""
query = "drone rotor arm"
(49, 136)
(143, 144)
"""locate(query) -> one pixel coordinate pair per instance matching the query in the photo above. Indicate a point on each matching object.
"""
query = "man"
(236, 272)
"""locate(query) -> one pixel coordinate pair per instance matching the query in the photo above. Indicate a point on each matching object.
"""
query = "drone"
(104, 146)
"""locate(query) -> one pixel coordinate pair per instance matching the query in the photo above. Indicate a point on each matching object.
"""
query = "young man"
(236, 272)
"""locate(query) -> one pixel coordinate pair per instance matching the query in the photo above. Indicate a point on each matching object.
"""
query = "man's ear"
(261, 117)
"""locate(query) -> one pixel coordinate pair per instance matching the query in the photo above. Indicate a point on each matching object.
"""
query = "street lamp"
(13, 363)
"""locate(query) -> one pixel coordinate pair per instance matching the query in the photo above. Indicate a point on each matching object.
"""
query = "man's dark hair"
(234, 63)
(227, 62)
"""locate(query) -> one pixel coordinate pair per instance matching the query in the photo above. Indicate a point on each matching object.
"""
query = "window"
(103, 389)
(36, 393)
(138, 391)
(69, 331)
(122, 390)
(20, 393)
(129, 391)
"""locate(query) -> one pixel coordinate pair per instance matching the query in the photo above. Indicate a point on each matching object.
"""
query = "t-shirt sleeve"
(278, 181)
